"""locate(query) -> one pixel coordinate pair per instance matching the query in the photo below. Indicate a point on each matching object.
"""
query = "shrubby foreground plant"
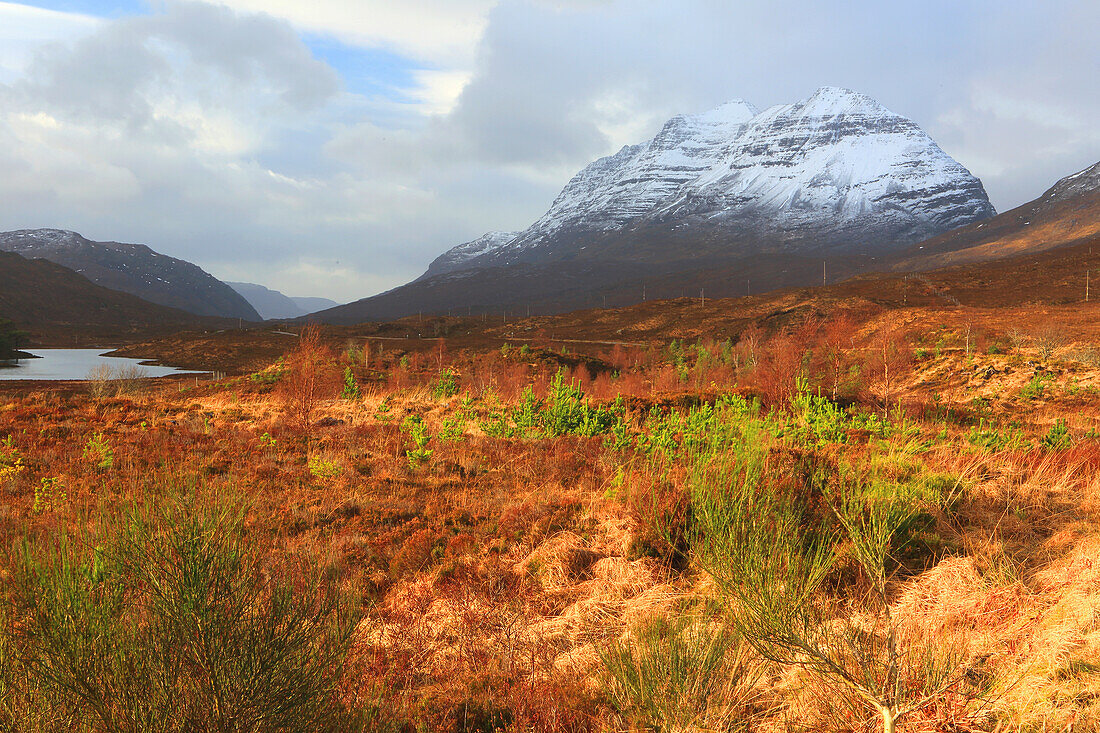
(169, 618)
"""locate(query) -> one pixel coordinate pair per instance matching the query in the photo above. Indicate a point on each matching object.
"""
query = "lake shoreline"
(82, 365)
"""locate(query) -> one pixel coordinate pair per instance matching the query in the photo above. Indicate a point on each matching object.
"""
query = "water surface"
(79, 364)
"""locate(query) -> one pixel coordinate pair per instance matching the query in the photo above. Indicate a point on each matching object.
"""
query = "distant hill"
(53, 303)
(273, 304)
(1067, 213)
(134, 269)
(312, 305)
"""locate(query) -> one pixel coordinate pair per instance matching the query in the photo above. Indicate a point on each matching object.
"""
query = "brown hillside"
(1037, 226)
(58, 306)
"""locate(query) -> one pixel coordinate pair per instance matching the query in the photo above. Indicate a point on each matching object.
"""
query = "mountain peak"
(830, 101)
(35, 237)
(735, 111)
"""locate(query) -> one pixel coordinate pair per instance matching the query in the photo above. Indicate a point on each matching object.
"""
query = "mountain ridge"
(133, 268)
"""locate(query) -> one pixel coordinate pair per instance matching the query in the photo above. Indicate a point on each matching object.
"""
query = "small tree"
(890, 355)
(836, 342)
(311, 377)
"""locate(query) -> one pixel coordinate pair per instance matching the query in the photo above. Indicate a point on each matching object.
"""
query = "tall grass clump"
(172, 620)
(682, 674)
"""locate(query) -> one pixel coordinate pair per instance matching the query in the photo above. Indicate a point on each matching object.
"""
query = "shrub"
(446, 384)
(1058, 436)
(351, 387)
(771, 550)
(323, 469)
(1035, 388)
(98, 453)
(49, 494)
(174, 623)
(11, 460)
(418, 433)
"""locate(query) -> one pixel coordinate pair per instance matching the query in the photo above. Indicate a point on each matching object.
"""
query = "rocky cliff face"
(134, 269)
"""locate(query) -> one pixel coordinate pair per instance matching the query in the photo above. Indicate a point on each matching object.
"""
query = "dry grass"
(495, 571)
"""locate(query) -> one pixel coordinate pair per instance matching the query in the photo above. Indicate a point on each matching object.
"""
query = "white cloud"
(444, 32)
(24, 29)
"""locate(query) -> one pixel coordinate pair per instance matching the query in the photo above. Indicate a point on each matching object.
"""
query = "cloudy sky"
(335, 147)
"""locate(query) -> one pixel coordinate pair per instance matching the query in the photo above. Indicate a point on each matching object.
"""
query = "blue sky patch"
(97, 8)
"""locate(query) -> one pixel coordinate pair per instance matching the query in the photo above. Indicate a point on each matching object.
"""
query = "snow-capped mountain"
(836, 169)
(726, 196)
(134, 269)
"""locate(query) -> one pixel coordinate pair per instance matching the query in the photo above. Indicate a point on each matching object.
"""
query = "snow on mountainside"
(1076, 184)
(835, 170)
(456, 257)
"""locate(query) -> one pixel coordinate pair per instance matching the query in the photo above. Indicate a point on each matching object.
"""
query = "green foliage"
(815, 420)
(446, 384)
(762, 535)
(452, 431)
(1035, 388)
(48, 495)
(97, 451)
(272, 375)
(323, 469)
(678, 675)
(171, 623)
(708, 427)
(418, 433)
(11, 460)
(990, 436)
(351, 386)
(565, 411)
(1058, 436)
(384, 411)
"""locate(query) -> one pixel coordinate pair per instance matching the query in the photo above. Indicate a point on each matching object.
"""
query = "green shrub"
(11, 460)
(991, 437)
(446, 384)
(1058, 436)
(98, 452)
(418, 432)
(172, 623)
(351, 387)
(324, 469)
(1035, 388)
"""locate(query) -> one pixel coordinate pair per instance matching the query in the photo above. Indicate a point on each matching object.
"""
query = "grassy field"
(883, 521)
